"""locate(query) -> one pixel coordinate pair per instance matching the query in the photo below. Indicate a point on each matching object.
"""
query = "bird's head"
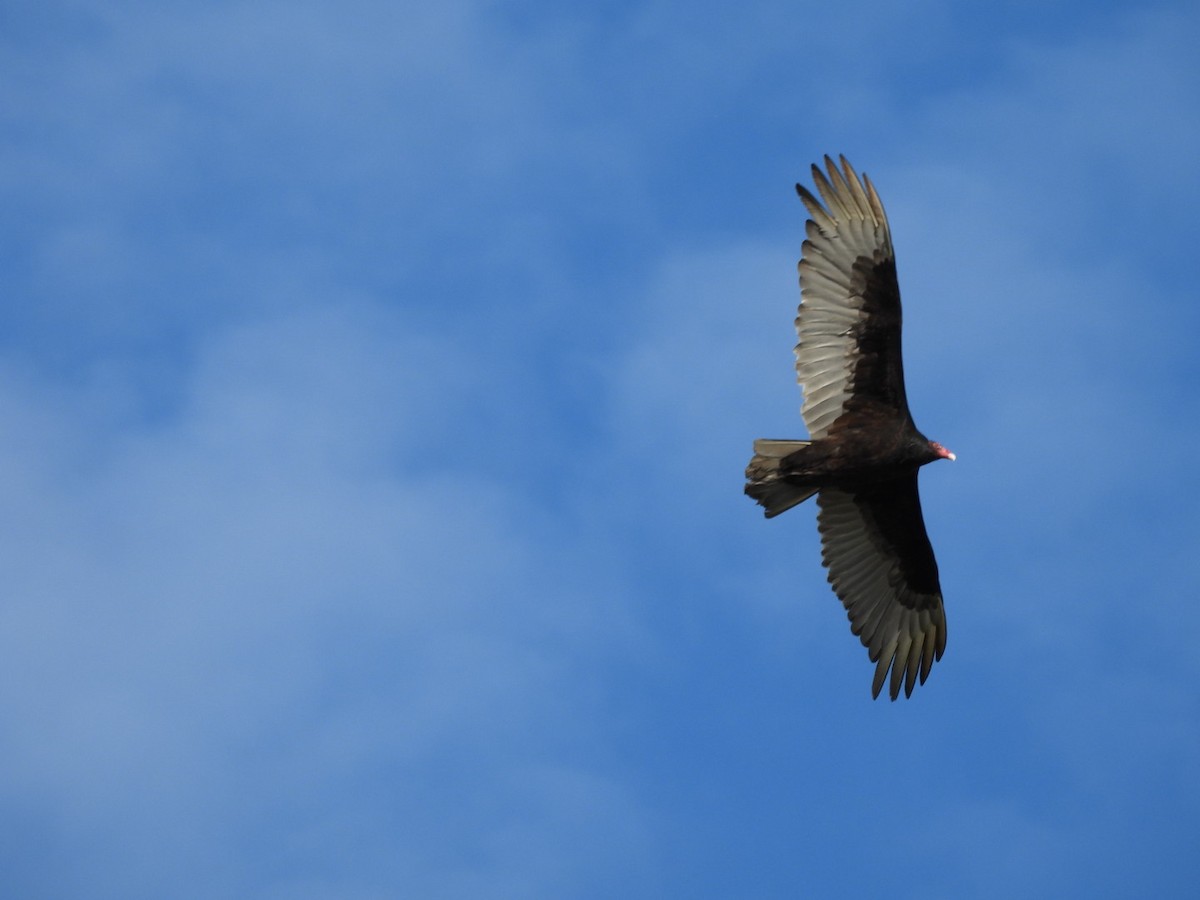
(940, 451)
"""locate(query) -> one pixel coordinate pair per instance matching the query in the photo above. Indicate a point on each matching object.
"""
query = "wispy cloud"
(375, 386)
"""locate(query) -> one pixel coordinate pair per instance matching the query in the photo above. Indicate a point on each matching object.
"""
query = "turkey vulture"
(864, 449)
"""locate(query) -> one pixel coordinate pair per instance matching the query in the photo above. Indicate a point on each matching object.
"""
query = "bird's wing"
(880, 563)
(849, 319)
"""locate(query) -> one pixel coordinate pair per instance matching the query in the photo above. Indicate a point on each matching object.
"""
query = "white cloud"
(283, 582)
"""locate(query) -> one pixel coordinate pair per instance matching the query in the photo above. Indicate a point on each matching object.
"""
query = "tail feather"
(767, 483)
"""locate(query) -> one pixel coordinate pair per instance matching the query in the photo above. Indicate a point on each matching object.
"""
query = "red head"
(941, 451)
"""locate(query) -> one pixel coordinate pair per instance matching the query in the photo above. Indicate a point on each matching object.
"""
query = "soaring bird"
(864, 450)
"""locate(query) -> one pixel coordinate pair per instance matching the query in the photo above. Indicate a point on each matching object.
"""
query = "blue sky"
(376, 382)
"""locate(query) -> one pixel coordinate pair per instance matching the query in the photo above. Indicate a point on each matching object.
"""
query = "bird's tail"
(768, 484)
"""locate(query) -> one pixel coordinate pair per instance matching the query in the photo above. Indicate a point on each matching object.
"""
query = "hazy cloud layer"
(375, 386)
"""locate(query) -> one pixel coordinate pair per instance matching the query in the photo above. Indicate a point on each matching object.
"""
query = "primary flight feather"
(864, 449)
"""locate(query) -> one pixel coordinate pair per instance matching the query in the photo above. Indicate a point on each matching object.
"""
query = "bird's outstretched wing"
(848, 355)
(881, 566)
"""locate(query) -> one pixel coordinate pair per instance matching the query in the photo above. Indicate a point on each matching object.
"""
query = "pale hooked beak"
(942, 451)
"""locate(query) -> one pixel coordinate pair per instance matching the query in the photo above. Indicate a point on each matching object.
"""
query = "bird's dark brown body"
(853, 459)
(865, 451)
